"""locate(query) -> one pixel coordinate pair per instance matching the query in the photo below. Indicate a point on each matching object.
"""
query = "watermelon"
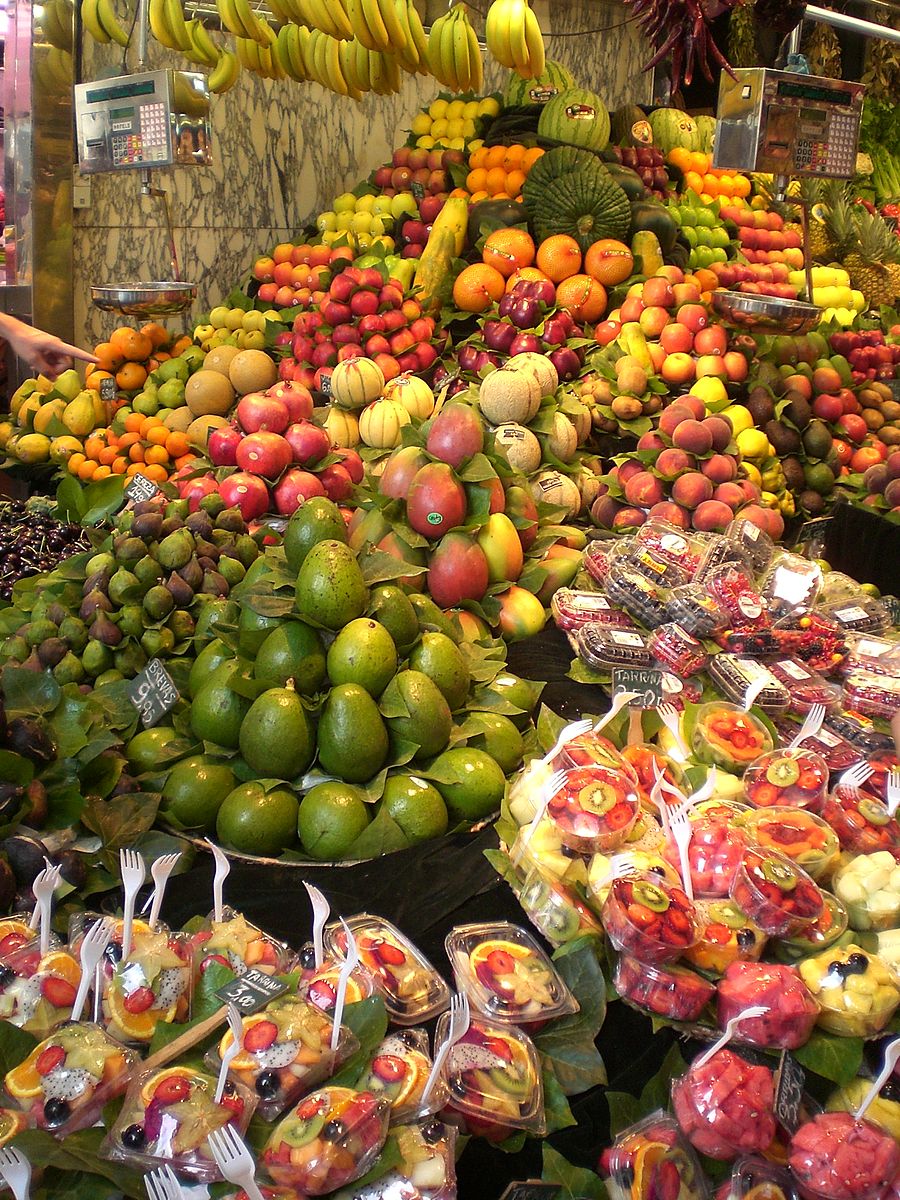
(623, 121)
(672, 127)
(576, 117)
(706, 133)
(554, 79)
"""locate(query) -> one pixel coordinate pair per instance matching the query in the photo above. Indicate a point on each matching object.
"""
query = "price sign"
(531, 1189)
(139, 488)
(647, 684)
(894, 385)
(417, 190)
(153, 693)
(252, 991)
(108, 390)
(789, 1084)
(325, 385)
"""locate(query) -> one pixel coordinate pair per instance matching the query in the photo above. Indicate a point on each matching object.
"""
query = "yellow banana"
(341, 19)
(496, 33)
(202, 45)
(337, 82)
(267, 34)
(92, 22)
(392, 73)
(347, 57)
(409, 56)
(314, 59)
(361, 61)
(228, 16)
(379, 39)
(176, 23)
(280, 11)
(418, 36)
(225, 73)
(476, 67)
(448, 51)
(534, 40)
(282, 50)
(110, 24)
(395, 31)
(435, 37)
(57, 24)
(241, 50)
(304, 55)
(517, 41)
(253, 26)
(320, 11)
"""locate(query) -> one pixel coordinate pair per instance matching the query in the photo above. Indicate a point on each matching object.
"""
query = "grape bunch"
(31, 541)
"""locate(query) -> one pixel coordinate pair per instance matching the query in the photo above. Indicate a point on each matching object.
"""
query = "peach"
(657, 292)
(692, 489)
(692, 436)
(695, 404)
(652, 441)
(756, 515)
(672, 417)
(731, 494)
(653, 320)
(720, 428)
(671, 512)
(686, 293)
(750, 490)
(676, 338)
(628, 470)
(672, 273)
(657, 355)
(710, 364)
(695, 316)
(826, 379)
(644, 490)
(603, 511)
(712, 516)
(678, 368)
(736, 366)
(671, 463)
(631, 309)
(721, 468)
(628, 518)
(711, 340)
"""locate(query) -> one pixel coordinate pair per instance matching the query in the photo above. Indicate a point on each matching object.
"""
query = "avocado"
(797, 410)
(761, 406)
(784, 440)
(352, 738)
(817, 440)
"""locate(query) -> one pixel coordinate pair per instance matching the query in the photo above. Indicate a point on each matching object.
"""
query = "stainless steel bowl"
(766, 314)
(145, 299)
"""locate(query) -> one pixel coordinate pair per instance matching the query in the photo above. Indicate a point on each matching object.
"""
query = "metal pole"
(825, 16)
(142, 26)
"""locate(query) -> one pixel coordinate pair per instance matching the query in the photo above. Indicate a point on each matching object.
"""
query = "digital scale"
(151, 119)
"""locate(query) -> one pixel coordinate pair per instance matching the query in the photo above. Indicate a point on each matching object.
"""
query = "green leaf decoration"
(575, 1183)
(368, 1020)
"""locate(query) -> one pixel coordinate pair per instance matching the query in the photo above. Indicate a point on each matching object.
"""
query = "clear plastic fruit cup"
(81, 922)
(796, 833)
(727, 935)
(790, 1010)
(758, 1179)
(836, 1157)
(399, 1071)
(506, 975)
(555, 910)
(603, 869)
(775, 893)
(319, 987)
(67, 1078)
(667, 991)
(787, 777)
(588, 750)
(649, 919)
(831, 926)
(428, 1167)
(411, 988)
(238, 943)
(725, 736)
(168, 1115)
(494, 1077)
(652, 1159)
(856, 992)
(595, 808)
(790, 583)
(726, 1105)
(646, 760)
(37, 991)
(869, 885)
(285, 1052)
(15, 931)
(714, 855)
(152, 986)
(863, 825)
(327, 1140)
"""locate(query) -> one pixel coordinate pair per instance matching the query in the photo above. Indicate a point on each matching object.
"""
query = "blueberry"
(134, 1137)
(113, 952)
(746, 939)
(457, 1086)
(432, 1132)
(334, 1131)
(857, 964)
(267, 1085)
(837, 968)
(56, 1113)
(307, 958)
(7, 975)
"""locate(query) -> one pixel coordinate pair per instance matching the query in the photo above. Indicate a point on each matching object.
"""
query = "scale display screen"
(122, 91)
(808, 91)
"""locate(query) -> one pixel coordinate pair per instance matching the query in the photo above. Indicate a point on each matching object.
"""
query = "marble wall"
(282, 151)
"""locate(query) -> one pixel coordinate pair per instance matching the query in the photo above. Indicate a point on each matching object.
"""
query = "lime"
(416, 806)
(332, 816)
(195, 790)
(390, 605)
(470, 781)
(217, 711)
(500, 739)
(292, 651)
(143, 750)
(363, 653)
(275, 737)
(212, 655)
(255, 821)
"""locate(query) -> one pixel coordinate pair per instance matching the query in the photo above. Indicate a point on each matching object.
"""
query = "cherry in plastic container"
(790, 1010)
(725, 1106)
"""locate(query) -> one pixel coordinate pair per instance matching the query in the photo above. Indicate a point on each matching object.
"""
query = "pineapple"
(873, 260)
(840, 229)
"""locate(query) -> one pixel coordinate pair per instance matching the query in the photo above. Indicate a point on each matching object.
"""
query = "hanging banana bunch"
(513, 36)
(57, 22)
(378, 25)
(289, 52)
(413, 57)
(323, 62)
(262, 60)
(224, 74)
(743, 50)
(328, 16)
(100, 22)
(454, 56)
(241, 21)
(823, 51)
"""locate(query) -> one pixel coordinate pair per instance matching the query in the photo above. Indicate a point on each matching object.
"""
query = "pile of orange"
(131, 354)
(498, 172)
(708, 183)
(146, 445)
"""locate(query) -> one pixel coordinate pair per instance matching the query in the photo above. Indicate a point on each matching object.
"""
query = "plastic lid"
(836, 1157)
(726, 1105)
(594, 808)
(650, 919)
(152, 985)
(667, 991)
(494, 1076)
(652, 1158)
(775, 893)
(790, 1009)
(856, 990)
(796, 833)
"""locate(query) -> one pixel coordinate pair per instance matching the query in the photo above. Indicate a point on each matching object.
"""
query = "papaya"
(646, 248)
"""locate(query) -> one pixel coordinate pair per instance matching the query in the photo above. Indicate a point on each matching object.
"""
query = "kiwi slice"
(782, 772)
(873, 811)
(510, 1081)
(650, 896)
(728, 914)
(599, 797)
(302, 1130)
(780, 874)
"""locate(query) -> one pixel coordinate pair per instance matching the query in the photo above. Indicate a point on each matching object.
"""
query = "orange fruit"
(158, 334)
(133, 468)
(177, 444)
(726, 186)
(741, 186)
(150, 423)
(148, 1090)
(109, 357)
(87, 469)
(583, 297)
(61, 964)
(514, 181)
(512, 159)
(524, 275)
(699, 162)
(131, 377)
(476, 196)
(137, 1026)
(136, 452)
(495, 182)
(118, 465)
(156, 454)
(508, 250)
(23, 1081)
(157, 472)
(693, 181)
(185, 460)
(495, 156)
(609, 262)
(75, 461)
(134, 346)
(477, 287)
(157, 435)
(477, 158)
(559, 257)
(108, 455)
(101, 473)
(476, 178)
(530, 157)
(94, 445)
(133, 422)
(711, 185)
(181, 345)
(680, 156)
(128, 439)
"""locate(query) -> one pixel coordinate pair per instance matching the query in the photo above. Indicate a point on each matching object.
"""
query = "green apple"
(235, 319)
(361, 222)
(218, 317)
(346, 202)
(365, 203)
(254, 321)
(344, 220)
(326, 220)
(404, 202)
(382, 205)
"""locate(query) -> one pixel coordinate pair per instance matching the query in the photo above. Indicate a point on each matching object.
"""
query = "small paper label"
(853, 613)
(789, 1084)
(139, 488)
(642, 132)
(793, 670)
(542, 95)
(750, 532)
(252, 991)
(828, 739)
(434, 518)
(749, 606)
(108, 390)
(626, 639)
(647, 684)
(153, 693)
(580, 112)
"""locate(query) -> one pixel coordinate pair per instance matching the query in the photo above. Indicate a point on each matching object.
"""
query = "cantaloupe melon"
(252, 371)
(552, 487)
(208, 392)
(563, 439)
(510, 395)
(221, 359)
(199, 430)
(519, 445)
(542, 367)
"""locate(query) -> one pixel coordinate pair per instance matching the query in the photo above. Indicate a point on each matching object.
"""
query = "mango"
(47, 413)
(457, 571)
(521, 613)
(502, 549)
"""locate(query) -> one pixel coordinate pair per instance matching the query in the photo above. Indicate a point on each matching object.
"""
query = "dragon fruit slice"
(27, 993)
(280, 1054)
(67, 1083)
(169, 985)
(466, 1057)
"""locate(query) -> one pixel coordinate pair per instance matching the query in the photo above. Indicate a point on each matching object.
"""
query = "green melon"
(555, 164)
(587, 205)
(576, 117)
(622, 121)
(706, 133)
(672, 127)
(554, 79)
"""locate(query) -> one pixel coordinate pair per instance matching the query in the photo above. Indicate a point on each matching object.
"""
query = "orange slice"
(11, 1123)
(242, 1061)
(23, 1081)
(61, 964)
(139, 1026)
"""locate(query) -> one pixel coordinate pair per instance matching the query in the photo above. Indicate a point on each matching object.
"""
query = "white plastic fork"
(812, 723)
(891, 1055)
(162, 1184)
(234, 1160)
(550, 787)
(45, 884)
(321, 911)
(223, 870)
(351, 961)
(16, 1170)
(237, 1042)
(757, 1010)
(459, 1023)
(618, 703)
(133, 870)
(669, 717)
(892, 791)
(93, 944)
(573, 730)
(160, 870)
(854, 777)
(753, 691)
(681, 832)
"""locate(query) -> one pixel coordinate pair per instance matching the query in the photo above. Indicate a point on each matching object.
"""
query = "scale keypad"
(834, 156)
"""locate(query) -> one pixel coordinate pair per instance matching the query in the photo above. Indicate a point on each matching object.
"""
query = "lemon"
(437, 109)
(421, 124)
(753, 443)
(332, 816)
(488, 107)
(470, 110)
(455, 109)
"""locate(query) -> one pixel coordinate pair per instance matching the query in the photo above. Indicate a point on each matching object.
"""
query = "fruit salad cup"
(664, 991)
(726, 1105)
(590, 749)
(398, 1073)
(67, 1078)
(329, 1139)
(37, 991)
(602, 869)
(285, 1051)
(869, 885)
(863, 825)
(775, 893)
(411, 988)
(791, 1010)
(836, 1157)
(651, 920)
(594, 809)
(652, 1161)
(796, 833)
(714, 855)
(12, 1122)
(835, 751)
(80, 923)
(831, 926)
(855, 991)
(319, 987)
(494, 1077)
(15, 931)
(168, 1116)
(726, 935)
(787, 778)
(758, 1179)
(645, 761)
(236, 943)
(556, 911)
(726, 736)
(506, 975)
(151, 987)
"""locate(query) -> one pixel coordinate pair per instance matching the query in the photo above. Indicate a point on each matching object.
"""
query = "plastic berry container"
(859, 614)
(572, 610)
(829, 928)
(836, 1157)
(860, 731)
(149, 988)
(726, 736)
(863, 824)
(398, 1073)
(595, 808)
(649, 919)
(652, 1159)
(556, 911)
(796, 833)
(869, 885)
(411, 988)
(872, 695)
(856, 992)
(757, 547)
(727, 935)
(605, 649)
(675, 648)
(643, 600)
(506, 975)
(330, 1138)
(734, 592)
(868, 652)
(667, 991)
(662, 558)
(735, 676)
(775, 893)
(813, 637)
(805, 686)
(790, 583)
(836, 752)
(720, 552)
(790, 1009)
(495, 1082)
(37, 991)
(695, 611)
(787, 778)
(240, 944)
(726, 1105)
(714, 855)
(595, 560)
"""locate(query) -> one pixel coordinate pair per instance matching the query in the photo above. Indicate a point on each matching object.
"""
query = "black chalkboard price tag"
(531, 1189)
(139, 488)
(108, 390)
(153, 693)
(789, 1083)
(647, 684)
(251, 991)
(417, 190)
(325, 385)
(894, 385)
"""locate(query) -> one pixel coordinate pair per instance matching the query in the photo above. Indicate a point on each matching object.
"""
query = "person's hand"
(45, 353)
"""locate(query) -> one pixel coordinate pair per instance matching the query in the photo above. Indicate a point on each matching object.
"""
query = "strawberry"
(213, 958)
(48, 1060)
(390, 954)
(139, 1000)
(58, 992)
(260, 1036)
(173, 1089)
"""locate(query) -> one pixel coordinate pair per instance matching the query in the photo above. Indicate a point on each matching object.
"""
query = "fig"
(215, 584)
(191, 573)
(36, 795)
(51, 651)
(105, 631)
(180, 591)
(72, 868)
(158, 603)
(28, 737)
(69, 669)
(97, 581)
(147, 525)
(25, 856)
(93, 603)
(129, 549)
(231, 519)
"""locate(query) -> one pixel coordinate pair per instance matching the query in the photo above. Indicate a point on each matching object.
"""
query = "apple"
(711, 340)
(710, 364)
(694, 316)
(678, 369)
(654, 319)
(263, 269)
(676, 338)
